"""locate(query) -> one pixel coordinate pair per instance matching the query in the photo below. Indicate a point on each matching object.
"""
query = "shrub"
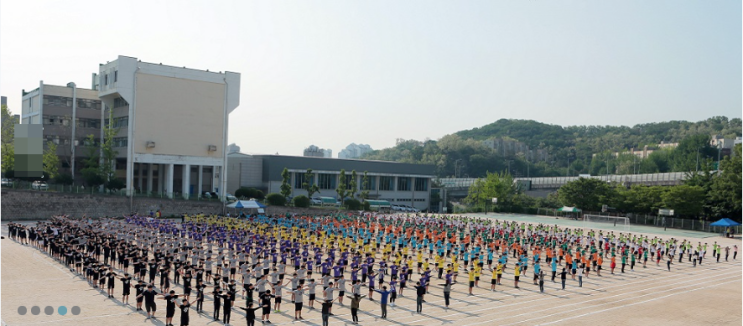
(245, 192)
(301, 201)
(63, 179)
(352, 204)
(367, 206)
(276, 199)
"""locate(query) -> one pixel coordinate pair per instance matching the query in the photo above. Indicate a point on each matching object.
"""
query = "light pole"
(73, 137)
(456, 164)
(509, 166)
(719, 148)
(568, 171)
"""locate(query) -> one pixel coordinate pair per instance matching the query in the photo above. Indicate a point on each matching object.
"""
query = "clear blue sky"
(334, 72)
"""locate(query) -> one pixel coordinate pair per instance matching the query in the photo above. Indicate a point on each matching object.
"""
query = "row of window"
(119, 102)
(119, 142)
(115, 77)
(66, 141)
(120, 122)
(329, 181)
(55, 120)
(63, 101)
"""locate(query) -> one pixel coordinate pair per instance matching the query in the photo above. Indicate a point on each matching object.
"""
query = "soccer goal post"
(599, 221)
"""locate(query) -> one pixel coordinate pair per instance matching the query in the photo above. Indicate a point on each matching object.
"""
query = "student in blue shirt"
(383, 301)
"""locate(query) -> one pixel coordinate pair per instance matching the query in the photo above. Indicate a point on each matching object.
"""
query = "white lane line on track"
(641, 302)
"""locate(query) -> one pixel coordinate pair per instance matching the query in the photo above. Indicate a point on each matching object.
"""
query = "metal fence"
(670, 178)
(634, 219)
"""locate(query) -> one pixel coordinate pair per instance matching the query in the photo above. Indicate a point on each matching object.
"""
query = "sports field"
(709, 294)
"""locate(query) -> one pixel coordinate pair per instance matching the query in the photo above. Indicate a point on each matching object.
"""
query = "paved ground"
(708, 294)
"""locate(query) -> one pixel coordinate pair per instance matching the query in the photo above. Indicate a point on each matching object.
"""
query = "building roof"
(273, 165)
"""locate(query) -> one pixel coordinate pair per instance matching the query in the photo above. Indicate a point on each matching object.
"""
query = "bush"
(352, 204)
(115, 184)
(301, 201)
(245, 192)
(367, 206)
(63, 179)
(276, 199)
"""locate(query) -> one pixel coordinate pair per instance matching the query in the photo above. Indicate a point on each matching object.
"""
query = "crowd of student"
(286, 258)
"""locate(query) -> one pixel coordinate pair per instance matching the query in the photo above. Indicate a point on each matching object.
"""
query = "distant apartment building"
(724, 144)
(314, 151)
(3, 100)
(56, 107)
(353, 151)
(507, 147)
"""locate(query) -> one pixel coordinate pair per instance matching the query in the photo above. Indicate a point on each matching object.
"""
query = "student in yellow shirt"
(516, 274)
(455, 269)
(472, 279)
(499, 271)
(478, 271)
(494, 279)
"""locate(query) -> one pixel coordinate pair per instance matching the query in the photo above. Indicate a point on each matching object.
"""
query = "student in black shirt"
(149, 301)
(563, 277)
(266, 303)
(227, 306)
(139, 288)
(420, 291)
(184, 307)
(217, 303)
(170, 307)
(126, 282)
(200, 296)
(250, 313)
(326, 311)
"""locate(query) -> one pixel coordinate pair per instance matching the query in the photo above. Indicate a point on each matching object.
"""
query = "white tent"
(246, 204)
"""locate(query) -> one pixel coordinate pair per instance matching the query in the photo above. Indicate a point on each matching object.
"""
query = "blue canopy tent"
(249, 204)
(727, 224)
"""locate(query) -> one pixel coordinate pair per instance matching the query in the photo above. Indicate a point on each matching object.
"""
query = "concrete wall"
(29, 205)
(182, 117)
(21, 205)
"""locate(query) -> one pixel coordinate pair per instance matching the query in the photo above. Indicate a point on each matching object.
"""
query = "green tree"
(353, 187)
(341, 189)
(685, 200)
(8, 136)
(108, 155)
(365, 186)
(494, 185)
(725, 192)
(51, 160)
(286, 188)
(309, 183)
(92, 171)
(587, 194)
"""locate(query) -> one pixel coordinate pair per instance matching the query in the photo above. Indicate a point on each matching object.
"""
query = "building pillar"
(140, 176)
(186, 184)
(215, 184)
(161, 178)
(150, 175)
(169, 180)
(201, 180)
